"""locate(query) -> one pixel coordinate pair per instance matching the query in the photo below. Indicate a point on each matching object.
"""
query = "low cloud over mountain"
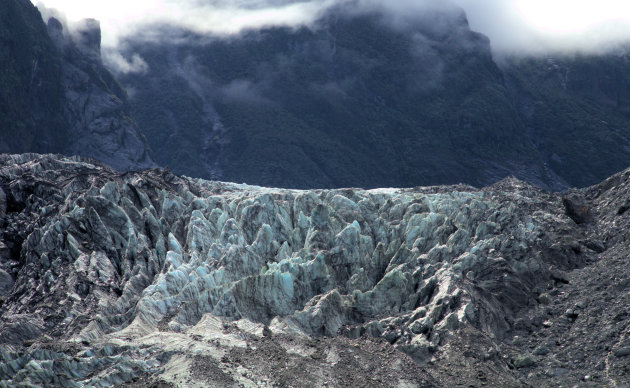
(513, 26)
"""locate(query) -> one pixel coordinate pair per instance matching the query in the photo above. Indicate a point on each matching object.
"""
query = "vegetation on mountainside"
(351, 103)
(356, 103)
(577, 110)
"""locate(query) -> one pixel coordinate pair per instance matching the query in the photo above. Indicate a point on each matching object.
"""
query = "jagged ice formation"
(97, 262)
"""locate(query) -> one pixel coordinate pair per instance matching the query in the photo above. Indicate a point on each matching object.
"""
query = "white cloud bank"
(124, 17)
(534, 26)
(512, 25)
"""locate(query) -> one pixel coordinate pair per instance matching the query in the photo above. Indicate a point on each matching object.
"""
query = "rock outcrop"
(112, 278)
(56, 95)
(95, 104)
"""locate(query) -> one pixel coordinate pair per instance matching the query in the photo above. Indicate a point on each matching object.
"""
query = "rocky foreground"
(150, 279)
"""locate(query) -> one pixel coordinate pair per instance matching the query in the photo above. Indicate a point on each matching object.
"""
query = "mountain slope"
(358, 100)
(352, 101)
(173, 280)
(57, 96)
(577, 108)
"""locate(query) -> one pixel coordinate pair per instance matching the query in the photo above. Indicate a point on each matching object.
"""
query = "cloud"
(113, 59)
(242, 91)
(529, 26)
(541, 26)
(121, 18)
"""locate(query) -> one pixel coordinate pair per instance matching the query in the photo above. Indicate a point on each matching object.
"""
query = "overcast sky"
(512, 25)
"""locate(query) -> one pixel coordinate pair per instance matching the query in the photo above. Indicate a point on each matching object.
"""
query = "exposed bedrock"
(94, 255)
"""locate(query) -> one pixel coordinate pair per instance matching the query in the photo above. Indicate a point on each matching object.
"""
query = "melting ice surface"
(390, 263)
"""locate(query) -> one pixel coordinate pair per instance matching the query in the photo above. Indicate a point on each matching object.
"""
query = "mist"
(518, 26)
(547, 26)
(121, 18)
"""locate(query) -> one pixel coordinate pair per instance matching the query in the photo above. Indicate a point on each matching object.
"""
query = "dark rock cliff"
(31, 95)
(57, 96)
(99, 125)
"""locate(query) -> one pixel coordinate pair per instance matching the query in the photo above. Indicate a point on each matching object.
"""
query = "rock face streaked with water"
(147, 277)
